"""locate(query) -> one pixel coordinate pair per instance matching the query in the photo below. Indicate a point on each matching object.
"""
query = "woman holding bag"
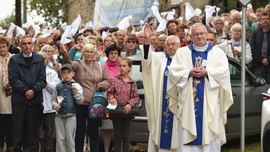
(92, 76)
(123, 91)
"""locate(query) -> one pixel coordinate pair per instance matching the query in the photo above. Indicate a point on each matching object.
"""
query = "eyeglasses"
(142, 37)
(171, 44)
(199, 34)
(121, 35)
(48, 51)
(89, 52)
(108, 40)
(133, 42)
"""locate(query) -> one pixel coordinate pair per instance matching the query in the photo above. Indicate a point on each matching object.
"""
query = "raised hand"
(148, 33)
(63, 50)
(73, 88)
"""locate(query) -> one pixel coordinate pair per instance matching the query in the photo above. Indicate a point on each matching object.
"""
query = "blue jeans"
(263, 72)
(92, 130)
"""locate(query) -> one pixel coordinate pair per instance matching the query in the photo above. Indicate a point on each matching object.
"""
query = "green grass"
(252, 144)
(254, 147)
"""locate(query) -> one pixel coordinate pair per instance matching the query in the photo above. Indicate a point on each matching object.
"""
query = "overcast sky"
(7, 6)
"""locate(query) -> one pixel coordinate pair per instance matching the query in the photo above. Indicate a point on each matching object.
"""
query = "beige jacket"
(88, 76)
(5, 102)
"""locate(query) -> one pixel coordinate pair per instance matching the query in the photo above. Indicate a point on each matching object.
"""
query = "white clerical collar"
(200, 48)
(29, 56)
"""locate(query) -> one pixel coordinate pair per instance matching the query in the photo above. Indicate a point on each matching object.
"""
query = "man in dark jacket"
(260, 48)
(27, 77)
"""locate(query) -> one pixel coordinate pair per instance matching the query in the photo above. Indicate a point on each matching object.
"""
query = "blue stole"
(167, 115)
(198, 92)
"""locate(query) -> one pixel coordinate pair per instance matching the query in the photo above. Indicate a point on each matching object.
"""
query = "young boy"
(67, 94)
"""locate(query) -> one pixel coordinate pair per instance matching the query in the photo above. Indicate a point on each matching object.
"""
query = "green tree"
(51, 10)
(10, 18)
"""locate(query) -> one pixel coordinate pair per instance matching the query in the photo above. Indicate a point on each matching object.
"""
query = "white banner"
(111, 12)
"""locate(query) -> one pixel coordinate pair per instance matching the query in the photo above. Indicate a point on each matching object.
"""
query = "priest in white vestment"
(162, 124)
(200, 93)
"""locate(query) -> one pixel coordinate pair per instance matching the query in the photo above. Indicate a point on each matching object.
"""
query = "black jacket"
(23, 78)
(255, 42)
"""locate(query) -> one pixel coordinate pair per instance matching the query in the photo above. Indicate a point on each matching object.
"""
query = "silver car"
(265, 124)
(254, 87)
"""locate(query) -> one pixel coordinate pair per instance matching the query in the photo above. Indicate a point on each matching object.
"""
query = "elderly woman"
(132, 45)
(5, 100)
(52, 62)
(182, 35)
(112, 68)
(218, 24)
(48, 118)
(92, 76)
(232, 47)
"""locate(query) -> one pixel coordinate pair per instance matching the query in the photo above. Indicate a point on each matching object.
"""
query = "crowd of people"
(48, 84)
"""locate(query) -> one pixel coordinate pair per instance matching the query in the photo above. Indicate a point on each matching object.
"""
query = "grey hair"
(176, 38)
(236, 26)
(217, 18)
(195, 26)
(44, 55)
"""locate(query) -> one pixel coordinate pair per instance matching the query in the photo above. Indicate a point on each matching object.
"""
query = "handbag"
(97, 106)
(118, 111)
